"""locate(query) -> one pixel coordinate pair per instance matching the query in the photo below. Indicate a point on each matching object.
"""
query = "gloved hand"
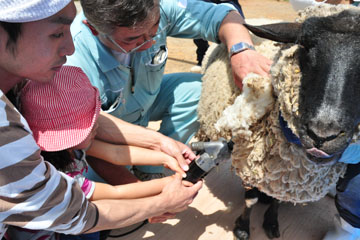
(351, 155)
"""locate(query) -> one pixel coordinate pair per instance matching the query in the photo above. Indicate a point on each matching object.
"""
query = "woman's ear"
(92, 29)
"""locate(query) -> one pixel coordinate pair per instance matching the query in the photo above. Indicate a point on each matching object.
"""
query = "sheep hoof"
(240, 235)
(241, 230)
(271, 230)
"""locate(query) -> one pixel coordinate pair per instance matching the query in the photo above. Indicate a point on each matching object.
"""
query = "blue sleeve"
(194, 18)
(351, 155)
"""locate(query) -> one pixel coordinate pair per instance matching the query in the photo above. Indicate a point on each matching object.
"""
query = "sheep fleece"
(262, 157)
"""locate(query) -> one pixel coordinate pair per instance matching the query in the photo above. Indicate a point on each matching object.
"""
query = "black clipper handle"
(195, 173)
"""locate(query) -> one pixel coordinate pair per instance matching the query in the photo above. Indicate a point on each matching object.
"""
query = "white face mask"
(122, 49)
(151, 39)
(138, 47)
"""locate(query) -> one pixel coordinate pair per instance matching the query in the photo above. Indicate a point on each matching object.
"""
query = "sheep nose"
(321, 132)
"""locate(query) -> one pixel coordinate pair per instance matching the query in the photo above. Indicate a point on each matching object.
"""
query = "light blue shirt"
(351, 155)
(186, 19)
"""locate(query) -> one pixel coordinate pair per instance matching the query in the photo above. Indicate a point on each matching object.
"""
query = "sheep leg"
(271, 224)
(242, 224)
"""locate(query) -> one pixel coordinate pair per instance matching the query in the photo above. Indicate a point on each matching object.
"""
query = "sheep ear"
(279, 32)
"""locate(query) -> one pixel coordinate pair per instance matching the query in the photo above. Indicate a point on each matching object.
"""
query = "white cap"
(19, 11)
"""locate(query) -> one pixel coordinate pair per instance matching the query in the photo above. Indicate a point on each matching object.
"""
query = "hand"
(171, 163)
(248, 61)
(161, 218)
(178, 194)
(181, 152)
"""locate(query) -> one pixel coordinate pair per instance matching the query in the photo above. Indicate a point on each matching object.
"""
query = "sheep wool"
(262, 156)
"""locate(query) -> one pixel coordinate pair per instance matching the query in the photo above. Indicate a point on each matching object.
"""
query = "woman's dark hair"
(61, 160)
(14, 32)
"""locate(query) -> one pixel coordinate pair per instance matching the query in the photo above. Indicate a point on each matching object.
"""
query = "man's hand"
(116, 131)
(173, 164)
(232, 31)
(161, 218)
(248, 61)
(179, 194)
(185, 195)
(181, 152)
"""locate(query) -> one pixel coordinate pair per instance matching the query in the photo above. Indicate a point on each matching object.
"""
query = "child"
(62, 115)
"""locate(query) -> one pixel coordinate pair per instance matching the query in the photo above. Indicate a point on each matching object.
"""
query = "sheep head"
(329, 94)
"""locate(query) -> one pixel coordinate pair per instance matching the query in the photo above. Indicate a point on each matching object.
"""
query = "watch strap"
(240, 47)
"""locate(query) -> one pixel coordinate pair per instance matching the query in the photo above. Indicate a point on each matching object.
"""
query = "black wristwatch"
(239, 47)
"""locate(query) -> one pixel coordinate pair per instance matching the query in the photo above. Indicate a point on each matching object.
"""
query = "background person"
(355, 2)
(302, 4)
(34, 42)
(125, 57)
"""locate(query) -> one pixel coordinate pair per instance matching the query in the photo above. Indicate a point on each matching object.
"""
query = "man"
(34, 42)
(121, 46)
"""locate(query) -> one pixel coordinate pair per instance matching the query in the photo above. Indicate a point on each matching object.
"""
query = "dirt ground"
(182, 54)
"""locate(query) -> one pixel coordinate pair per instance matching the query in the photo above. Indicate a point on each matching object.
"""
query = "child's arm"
(129, 191)
(131, 155)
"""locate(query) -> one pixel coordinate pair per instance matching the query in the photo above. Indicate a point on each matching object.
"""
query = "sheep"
(288, 131)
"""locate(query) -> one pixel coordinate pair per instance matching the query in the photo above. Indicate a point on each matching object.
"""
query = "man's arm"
(222, 23)
(117, 131)
(130, 191)
(175, 197)
(232, 31)
(132, 155)
(33, 194)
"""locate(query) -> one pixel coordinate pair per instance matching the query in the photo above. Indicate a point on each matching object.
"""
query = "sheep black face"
(329, 60)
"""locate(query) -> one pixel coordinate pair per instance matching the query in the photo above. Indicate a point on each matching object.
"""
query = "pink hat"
(62, 112)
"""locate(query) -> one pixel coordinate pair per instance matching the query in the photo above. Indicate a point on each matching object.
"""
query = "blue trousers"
(348, 195)
(89, 236)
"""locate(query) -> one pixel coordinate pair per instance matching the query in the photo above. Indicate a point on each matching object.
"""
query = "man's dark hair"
(105, 15)
(14, 32)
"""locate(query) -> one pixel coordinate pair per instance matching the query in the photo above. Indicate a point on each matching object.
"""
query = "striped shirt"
(33, 194)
